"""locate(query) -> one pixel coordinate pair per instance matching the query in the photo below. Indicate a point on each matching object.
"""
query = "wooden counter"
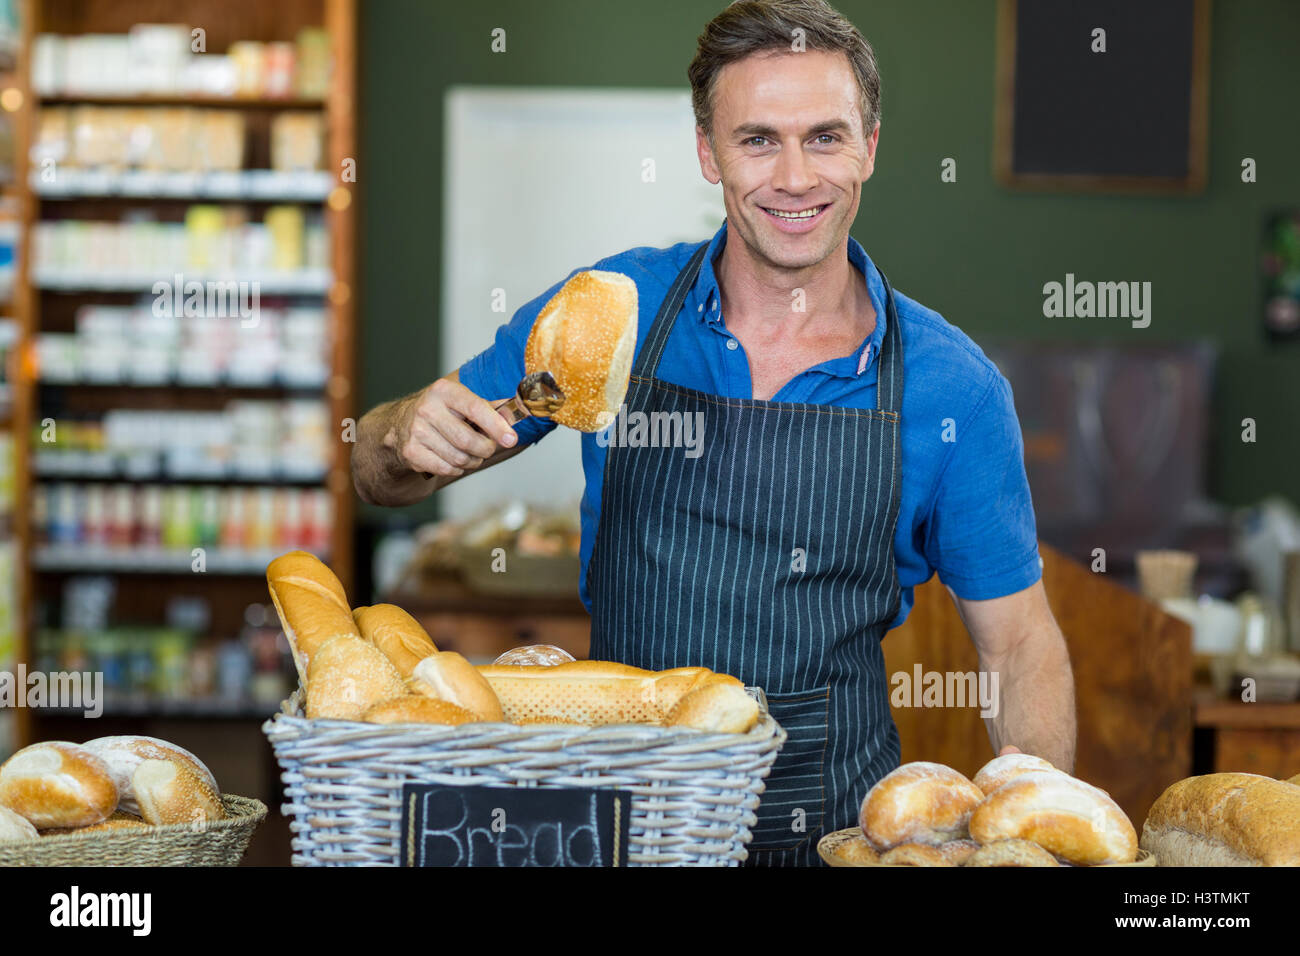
(1250, 738)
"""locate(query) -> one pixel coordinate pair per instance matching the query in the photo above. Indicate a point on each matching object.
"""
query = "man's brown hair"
(759, 26)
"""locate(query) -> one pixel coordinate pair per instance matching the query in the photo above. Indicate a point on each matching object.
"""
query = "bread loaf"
(857, 851)
(449, 676)
(348, 676)
(592, 693)
(172, 791)
(585, 336)
(919, 802)
(1011, 853)
(1072, 820)
(122, 755)
(396, 633)
(1225, 819)
(15, 828)
(312, 606)
(418, 709)
(1001, 770)
(914, 854)
(57, 784)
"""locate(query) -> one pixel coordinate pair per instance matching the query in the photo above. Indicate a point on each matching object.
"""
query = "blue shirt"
(965, 508)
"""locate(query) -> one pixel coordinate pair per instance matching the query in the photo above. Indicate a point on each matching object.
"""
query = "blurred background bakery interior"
(382, 188)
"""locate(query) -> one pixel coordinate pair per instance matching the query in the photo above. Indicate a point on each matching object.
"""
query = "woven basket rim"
(241, 812)
(290, 716)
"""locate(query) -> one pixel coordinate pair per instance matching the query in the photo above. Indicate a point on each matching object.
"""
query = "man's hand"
(408, 449)
(446, 430)
(1009, 749)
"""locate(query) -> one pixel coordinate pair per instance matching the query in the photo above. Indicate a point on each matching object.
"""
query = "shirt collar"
(705, 302)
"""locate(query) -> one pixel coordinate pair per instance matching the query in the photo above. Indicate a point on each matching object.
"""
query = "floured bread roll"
(1001, 770)
(1011, 853)
(57, 784)
(914, 854)
(123, 755)
(919, 802)
(1072, 820)
(15, 828)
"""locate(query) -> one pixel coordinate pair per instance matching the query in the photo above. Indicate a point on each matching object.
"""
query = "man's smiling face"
(790, 152)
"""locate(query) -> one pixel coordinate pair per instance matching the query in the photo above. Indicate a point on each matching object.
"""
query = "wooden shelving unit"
(225, 22)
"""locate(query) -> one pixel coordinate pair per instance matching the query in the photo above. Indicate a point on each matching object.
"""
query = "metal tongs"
(537, 395)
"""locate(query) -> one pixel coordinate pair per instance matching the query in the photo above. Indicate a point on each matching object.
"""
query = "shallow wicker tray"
(828, 844)
(220, 843)
(694, 795)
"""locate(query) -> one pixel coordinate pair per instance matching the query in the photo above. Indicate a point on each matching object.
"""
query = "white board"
(539, 183)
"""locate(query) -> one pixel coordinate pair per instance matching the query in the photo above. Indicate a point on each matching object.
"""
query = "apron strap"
(647, 363)
(889, 381)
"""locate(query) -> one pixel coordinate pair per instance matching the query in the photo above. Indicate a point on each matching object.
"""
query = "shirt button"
(733, 344)
(701, 308)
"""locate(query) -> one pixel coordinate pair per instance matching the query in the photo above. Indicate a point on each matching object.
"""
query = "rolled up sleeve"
(982, 539)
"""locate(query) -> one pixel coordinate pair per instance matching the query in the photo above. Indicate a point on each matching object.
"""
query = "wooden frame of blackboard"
(1004, 119)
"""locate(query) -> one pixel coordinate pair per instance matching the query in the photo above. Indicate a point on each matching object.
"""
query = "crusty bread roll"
(585, 336)
(538, 655)
(1011, 853)
(312, 606)
(57, 784)
(857, 851)
(449, 676)
(418, 709)
(123, 755)
(121, 820)
(592, 693)
(347, 677)
(914, 854)
(15, 828)
(172, 791)
(919, 802)
(1225, 819)
(1001, 770)
(1072, 820)
(958, 852)
(396, 633)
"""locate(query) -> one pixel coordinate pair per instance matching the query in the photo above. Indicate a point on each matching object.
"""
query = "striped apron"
(770, 557)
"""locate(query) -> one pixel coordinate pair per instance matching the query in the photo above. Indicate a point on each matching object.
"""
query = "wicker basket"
(829, 845)
(220, 843)
(694, 795)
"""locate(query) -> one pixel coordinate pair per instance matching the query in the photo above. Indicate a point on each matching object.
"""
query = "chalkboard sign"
(1107, 95)
(509, 826)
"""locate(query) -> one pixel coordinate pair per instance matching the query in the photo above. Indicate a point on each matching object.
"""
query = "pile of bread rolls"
(1018, 811)
(377, 665)
(109, 783)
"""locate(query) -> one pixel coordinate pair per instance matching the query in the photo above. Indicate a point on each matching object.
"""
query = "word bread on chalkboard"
(499, 826)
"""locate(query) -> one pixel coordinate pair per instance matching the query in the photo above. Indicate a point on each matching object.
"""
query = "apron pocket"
(790, 809)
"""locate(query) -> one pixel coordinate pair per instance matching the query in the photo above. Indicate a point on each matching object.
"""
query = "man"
(826, 489)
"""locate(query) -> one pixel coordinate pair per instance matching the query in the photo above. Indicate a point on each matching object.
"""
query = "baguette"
(347, 677)
(57, 784)
(592, 693)
(123, 755)
(449, 676)
(1074, 821)
(418, 709)
(919, 802)
(396, 633)
(585, 336)
(1225, 819)
(311, 604)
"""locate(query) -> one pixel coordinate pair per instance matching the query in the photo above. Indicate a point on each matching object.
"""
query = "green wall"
(972, 250)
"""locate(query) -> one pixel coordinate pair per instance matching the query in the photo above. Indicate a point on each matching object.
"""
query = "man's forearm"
(378, 472)
(1036, 691)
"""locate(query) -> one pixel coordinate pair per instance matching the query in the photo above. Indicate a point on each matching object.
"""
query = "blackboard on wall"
(1131, 118)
